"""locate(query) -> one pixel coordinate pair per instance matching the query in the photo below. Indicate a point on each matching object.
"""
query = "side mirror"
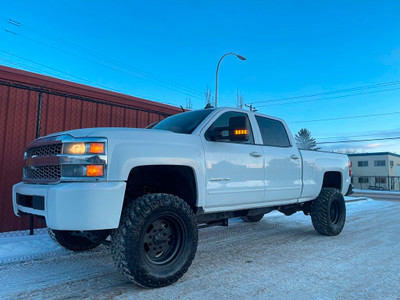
(239, 129)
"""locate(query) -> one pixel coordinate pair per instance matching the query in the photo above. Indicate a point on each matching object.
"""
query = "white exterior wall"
(371, 170)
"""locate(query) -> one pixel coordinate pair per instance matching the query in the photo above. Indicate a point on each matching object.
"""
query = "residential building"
(379, 170)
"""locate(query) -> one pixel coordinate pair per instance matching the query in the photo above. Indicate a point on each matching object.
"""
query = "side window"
(222, 129)
(273, 132)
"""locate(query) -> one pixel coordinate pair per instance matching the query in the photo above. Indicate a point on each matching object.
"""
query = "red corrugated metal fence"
(34, 105)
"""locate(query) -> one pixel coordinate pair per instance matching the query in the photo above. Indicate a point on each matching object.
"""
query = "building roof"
(17, 78)
(373, 154)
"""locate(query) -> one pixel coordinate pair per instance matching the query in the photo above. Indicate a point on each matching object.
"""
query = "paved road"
(378, 196)
(280, 258)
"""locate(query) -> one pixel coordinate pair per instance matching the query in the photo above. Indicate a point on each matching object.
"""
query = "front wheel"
(328, 212)
(71, 241)
(156, 240)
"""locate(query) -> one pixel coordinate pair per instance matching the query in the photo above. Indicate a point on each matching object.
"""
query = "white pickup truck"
(147, 191)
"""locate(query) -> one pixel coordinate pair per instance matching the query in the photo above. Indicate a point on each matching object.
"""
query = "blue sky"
(167, 51)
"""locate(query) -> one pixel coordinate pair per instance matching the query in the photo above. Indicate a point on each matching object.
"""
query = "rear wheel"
(328, 212)
(71, 241)
(156, 240)
(253, 219)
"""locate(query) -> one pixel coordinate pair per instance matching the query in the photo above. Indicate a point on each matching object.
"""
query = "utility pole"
(251, 107)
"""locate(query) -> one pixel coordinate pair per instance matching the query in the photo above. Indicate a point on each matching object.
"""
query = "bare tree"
(239, 99)
(189, 104)
(208, 96)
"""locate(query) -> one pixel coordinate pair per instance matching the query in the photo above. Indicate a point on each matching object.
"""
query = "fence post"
(38, 119)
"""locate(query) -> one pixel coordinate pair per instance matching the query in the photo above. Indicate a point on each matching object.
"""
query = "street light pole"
(216, 76)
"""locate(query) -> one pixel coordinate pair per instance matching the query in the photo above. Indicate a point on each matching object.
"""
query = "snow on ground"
(19, 248)
(376, 192)
(279, 257)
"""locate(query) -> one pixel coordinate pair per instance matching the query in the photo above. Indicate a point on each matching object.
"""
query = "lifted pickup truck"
(147, 191)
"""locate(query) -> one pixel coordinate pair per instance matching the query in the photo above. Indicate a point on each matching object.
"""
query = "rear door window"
(273, 132)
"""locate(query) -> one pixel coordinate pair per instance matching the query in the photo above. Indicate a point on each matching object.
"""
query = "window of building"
(391, 163)
(273, 132)
(363, 180)
(380, 180)
(222, 123)
(363, 163)
(380, 163)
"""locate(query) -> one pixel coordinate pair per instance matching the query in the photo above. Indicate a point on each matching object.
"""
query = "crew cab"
(145, 192)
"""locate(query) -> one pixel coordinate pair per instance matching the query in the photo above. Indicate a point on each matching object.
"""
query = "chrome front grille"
(47, 173)
(46, 150)
(43, 173)
(46, 163)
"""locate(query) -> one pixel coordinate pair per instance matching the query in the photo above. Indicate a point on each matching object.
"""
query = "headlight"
(84, 148)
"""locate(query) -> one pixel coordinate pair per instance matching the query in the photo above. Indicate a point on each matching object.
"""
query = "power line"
(377, 85)
(93, 53)
(148, 77)
(345, 118)
(355, 136)
(336, 97)
(65, 73)
(356, 141)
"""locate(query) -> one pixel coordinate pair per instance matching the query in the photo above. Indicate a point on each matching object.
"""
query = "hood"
(119, 132)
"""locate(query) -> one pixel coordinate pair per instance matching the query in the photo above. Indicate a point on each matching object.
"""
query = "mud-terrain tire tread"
(71, 242)
(126, 238)
(320, 212)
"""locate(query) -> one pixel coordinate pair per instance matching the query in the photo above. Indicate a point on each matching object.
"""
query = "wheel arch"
(332, 179)
(177, 180)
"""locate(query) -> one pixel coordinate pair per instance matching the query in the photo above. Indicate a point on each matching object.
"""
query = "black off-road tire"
(328, 212)
(253, 219)
(72, 242)
(156, 240)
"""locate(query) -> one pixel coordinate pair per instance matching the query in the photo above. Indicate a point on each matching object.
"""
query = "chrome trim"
(37, 161)
(65, 159)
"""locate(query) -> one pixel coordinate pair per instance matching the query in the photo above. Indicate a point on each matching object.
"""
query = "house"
(379, 170)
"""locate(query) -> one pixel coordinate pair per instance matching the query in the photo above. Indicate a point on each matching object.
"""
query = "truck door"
(234, 164)
(282, 162)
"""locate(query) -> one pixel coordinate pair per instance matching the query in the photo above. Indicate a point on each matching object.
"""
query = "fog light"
(94, 170)
(73, 171)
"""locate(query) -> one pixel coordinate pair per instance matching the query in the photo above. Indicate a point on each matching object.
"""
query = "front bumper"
(73, 205)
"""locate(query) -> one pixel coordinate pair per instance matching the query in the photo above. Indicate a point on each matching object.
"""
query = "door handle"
(293, 156)
(255, 154)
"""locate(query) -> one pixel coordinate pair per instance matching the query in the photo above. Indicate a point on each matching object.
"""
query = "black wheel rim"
(163, 239)
(335, 212)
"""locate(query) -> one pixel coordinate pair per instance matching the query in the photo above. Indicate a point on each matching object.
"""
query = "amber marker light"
(96, 148)
(94, 170)
(240, 131)
(75, 148)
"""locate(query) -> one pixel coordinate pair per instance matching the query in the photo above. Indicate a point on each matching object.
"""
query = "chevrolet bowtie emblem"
(29, 162)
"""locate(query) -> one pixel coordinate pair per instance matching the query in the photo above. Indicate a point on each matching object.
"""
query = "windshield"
(184, 122)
